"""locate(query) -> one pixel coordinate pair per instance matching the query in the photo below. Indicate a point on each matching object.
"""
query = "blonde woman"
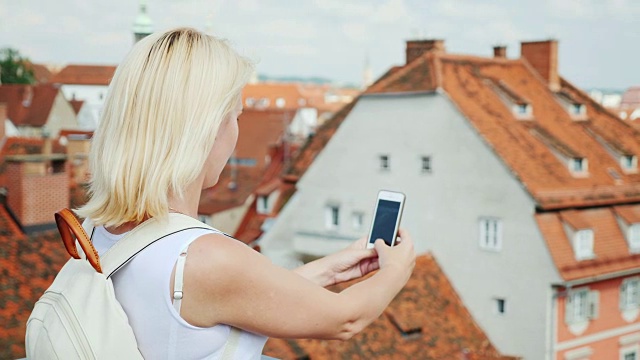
(168, 127)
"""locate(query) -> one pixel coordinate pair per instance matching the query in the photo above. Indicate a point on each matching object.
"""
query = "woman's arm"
(350, 263)
(227, 282)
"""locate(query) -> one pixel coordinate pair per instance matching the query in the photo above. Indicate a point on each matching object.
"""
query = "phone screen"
(385, 222)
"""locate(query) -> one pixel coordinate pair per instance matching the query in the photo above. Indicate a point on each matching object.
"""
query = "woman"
(168, 127)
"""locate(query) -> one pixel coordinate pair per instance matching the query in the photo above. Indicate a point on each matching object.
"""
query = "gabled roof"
(28, 266)
(612, 252)
(28, 105)
(85, 75)
(426, 320)
(536, 150)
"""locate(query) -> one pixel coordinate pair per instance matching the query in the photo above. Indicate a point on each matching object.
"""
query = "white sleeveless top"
(143, 288)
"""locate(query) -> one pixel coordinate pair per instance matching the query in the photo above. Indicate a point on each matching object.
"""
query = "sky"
(599, 40)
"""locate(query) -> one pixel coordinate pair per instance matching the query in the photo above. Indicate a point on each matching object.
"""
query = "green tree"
(15, 69)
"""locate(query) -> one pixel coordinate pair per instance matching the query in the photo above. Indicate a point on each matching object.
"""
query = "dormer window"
(633, 237)
(523, 110)
(250, 102)
(578, 165)
(577, 109)
(629, 162)
(520, 107)
(583, 244)
(572, 105)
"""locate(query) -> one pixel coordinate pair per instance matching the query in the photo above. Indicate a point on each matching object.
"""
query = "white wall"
(442, 208)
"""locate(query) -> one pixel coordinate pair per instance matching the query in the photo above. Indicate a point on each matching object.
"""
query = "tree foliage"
(14, 68)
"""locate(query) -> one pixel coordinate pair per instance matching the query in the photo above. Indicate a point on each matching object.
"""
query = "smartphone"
(386, 217)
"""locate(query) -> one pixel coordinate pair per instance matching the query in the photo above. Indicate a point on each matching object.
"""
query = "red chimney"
(543, 57)
(500, 52)
(416, 48)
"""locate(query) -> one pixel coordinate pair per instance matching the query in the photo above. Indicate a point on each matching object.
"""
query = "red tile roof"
(28, 105)
(528, 148)
(296, 95)
(76, 105)
(611, 249)
(258, 131)
(41, 73)
(426, 320)
(250, 227)
(85, 75)
(27, 268)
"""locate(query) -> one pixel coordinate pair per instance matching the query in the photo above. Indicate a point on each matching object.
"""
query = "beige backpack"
(79, 317)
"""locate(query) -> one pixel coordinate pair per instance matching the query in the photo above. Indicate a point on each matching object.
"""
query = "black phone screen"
(385, 222)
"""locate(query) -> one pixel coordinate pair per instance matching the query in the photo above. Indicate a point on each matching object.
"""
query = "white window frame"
(490, 233)
(584, 165)
(331, 217)
(630, 294)
(522, 111)
(262, 204)
(582, 109)
(583, 243)
(624, 165)
(633, 237)
(633, 349)
(581, 305)
(385, 162)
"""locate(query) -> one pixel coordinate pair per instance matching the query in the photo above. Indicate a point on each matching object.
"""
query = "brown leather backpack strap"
(67, 224)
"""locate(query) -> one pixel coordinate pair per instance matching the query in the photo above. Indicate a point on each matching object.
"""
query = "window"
(501, 305)
(629, 353)
(583, 244)
(630, 294)
(332, 216)
(633, 237)
(523, 109)
(262, 204)
(577, 109)
(629, 162)
(384, 162)
(581, 305)
(491, 234)
(426, 164)
(578, 165)
(357, 220)
(250, 101)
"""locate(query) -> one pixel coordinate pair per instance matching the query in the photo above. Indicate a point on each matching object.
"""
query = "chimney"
(416, 48)
(500, 52)
(543, 57)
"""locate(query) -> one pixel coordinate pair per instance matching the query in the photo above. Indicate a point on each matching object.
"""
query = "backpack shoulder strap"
(144, 235)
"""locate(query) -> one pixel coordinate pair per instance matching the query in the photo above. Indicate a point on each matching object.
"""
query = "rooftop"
(426, 320)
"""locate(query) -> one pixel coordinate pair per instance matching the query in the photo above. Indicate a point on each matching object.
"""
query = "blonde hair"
(161, 115)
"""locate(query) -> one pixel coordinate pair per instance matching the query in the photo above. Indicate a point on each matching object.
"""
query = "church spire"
(143, 25)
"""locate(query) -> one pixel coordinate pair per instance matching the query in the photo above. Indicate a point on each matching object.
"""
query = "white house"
(479, 146)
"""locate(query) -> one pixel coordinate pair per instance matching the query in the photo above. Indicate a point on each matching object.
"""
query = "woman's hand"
(401, 256)
(350, 263)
